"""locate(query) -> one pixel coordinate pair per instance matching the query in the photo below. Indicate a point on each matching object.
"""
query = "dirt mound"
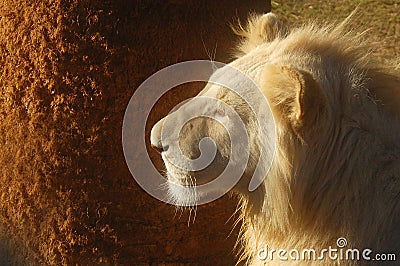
(68, 70)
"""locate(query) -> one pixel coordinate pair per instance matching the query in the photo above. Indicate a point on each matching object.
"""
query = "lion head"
(210, 135)
(333, 119)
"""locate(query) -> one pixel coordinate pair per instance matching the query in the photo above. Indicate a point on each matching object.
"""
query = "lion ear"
(294, 96)
(260, 29)
(270, 27)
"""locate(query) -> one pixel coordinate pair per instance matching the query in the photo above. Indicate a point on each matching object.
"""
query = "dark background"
(68, 70)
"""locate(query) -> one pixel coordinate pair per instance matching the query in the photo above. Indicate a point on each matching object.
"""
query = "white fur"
(336, 171)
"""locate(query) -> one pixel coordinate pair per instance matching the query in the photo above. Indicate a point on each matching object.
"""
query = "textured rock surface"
(68, 69)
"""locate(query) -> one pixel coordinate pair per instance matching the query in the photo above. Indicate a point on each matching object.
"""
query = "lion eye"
(220, 115)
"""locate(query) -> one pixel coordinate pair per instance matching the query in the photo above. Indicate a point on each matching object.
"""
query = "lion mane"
(336, 168)
(336, 171)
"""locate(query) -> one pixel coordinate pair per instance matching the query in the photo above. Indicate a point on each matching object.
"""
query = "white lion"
(336, 169)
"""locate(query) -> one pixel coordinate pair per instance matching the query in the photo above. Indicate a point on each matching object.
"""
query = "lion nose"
(160, 148)
(155, 137)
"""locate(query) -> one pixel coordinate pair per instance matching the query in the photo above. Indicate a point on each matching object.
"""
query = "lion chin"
(182, 195)
(336, 169)
(183, 190)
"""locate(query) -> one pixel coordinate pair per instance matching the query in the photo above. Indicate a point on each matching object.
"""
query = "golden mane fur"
(336, 169)
(336, 173)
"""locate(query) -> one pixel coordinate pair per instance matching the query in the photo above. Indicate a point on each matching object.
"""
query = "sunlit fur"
(336, 171)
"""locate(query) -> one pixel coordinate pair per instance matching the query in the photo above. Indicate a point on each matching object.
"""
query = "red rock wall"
(68, 69)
